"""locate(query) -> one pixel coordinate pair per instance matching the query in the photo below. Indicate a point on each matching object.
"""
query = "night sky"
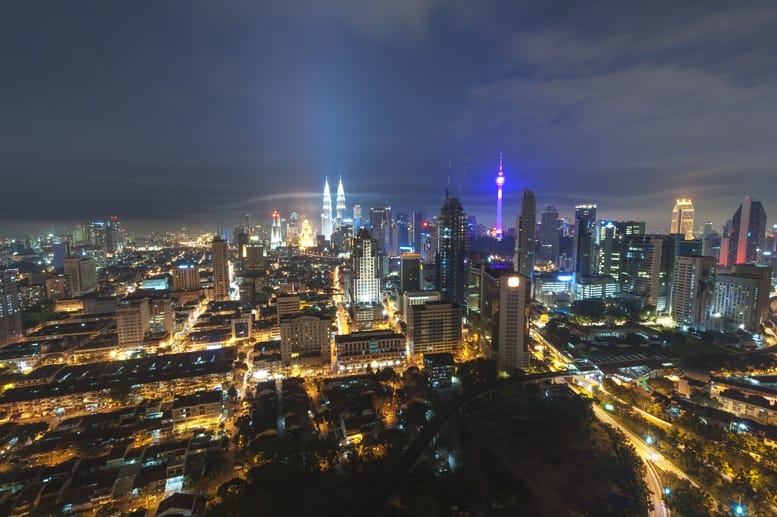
(194, 113)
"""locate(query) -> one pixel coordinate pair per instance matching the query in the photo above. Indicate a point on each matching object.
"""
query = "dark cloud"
(198, 114)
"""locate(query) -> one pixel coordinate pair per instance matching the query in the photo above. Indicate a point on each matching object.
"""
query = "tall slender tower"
(500, 181)
(585, 221)
(682, 218)
(525, 228)
(340, 208)
(451, 259)
(747, 235)
(276, 238)
(326, 215)
(221, 280)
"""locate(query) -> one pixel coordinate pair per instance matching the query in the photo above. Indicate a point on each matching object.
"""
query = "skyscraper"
(326, 215)
(682, 218)
(276, 238)
(409, 272)
(549, 234)
(220, 257)
(525, 228)
(380, 227)
(585, 239)
(451, 256)
(500, 181)
(747, 232)
(340, 203)
(693, 284)
(81, 275)
(366, 269)
(10, 310)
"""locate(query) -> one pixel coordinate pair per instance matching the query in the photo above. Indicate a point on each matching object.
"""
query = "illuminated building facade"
(276, 237)
(366, 269)
(549, 235)
(81, 275)
(500, 181)
(682, 218)
(742, 297)
(451, 256)
(585, 239)
(693, 285)
(747, 236)
(326, 214)
(340, 204)
(221, 280)
(186, 277)
(10, 310)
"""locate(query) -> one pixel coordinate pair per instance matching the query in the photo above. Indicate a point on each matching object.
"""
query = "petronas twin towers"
(330, 221)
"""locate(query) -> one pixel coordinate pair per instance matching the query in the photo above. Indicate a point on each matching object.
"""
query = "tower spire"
(500, 181)
(326, 215)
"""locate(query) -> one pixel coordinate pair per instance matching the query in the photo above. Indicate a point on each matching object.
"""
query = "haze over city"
(175, 117)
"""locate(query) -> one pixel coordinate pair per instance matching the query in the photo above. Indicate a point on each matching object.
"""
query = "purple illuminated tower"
(500, 181)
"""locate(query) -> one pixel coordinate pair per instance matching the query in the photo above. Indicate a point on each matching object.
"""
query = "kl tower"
(500, 181)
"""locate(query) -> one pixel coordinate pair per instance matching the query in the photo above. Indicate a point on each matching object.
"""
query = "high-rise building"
(161, 316)
(434, 327)
(10, 310)
(549, 235)
(645, 272)
(403, 224)
(326, 214)
(357, 217)
(693, 286)
(500, 181)
(366, 269)
(611, 237)
(416, 230)
(340, 203)
(451, 251)
(585, 239)
(186, 277)
(81, 275)
(220, 258)
(380, 228)
(498, 315)
(682, 218)
(305, 339)
(410, 273)
(742, 297)
(133, 319)
(525, 242)
(747, 232)
(276, 238)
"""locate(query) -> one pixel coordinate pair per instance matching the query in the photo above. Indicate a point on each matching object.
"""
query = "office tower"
(612, 236)
(275, 231)
(81, 275)
(500, 181)
(682, 218)
(711, 245)
(451, 251)
(340, 203)
(747, 232)
(61, 250)
(693, 285)
(498, 315)
(292, 229)
(549, 235)
(525, 227)
(220, 258)
(409, 272)
(366, 269)
(585, 241)
(132, 322)
(403, 223)
(742, 297)
(161, 316)
(646, 263)
(357, 217)
(416, 229)
(434, 327)
(412, 298)
(287, 305)
(326, 214)
(306, 237)
(380, 228)
(10, 310)
(707, 228)
(186, 277)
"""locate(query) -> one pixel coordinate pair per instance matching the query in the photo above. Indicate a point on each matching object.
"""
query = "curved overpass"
(378, 504)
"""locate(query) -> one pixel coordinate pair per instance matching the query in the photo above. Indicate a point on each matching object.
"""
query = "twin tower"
(330, 221)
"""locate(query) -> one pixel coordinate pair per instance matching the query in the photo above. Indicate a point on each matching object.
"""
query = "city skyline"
(140, 120)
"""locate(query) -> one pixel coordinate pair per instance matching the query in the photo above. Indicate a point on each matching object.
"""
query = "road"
(649, 457)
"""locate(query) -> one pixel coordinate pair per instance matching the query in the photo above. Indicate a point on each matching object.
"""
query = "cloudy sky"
(196, 112)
